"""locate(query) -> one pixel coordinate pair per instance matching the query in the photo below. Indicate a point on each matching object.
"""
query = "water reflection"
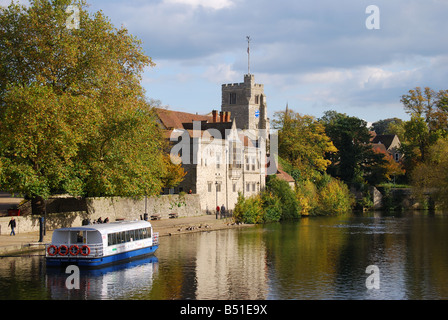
(120, 281)
(313, 258)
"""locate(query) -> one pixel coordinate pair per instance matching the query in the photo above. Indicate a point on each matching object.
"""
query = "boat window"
(112, 239)
(127, 236)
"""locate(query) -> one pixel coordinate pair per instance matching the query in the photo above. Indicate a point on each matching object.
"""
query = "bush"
(272, 207)
(248, 210)
(290, 207)
(334, 198)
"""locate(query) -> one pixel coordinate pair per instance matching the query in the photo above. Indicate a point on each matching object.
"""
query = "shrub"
(335, 198)
(290, 208)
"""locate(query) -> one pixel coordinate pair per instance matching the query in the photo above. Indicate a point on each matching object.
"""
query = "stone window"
(234, 187)
(209, 186)
(232, 98)
(247, 187)
(253, 187)
(257, 99)
(218, 187)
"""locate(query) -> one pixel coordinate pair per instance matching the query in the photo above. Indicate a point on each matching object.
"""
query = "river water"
(313, 258)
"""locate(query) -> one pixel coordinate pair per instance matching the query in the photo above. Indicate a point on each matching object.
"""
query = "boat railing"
(64, 250)
(155, 239)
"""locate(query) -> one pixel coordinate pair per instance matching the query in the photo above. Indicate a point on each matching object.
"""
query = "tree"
(431, 176)
(73, 114)
(429, 120)
(303, 143)
(384, 126)
(355, 161)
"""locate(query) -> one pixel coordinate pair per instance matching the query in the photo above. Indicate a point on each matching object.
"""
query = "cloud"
(214, 4)
(221, 73)
(305, 51)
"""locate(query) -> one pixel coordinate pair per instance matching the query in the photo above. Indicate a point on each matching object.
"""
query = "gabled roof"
(385, 139)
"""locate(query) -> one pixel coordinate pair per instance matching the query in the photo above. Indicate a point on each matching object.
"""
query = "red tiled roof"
(175, 119)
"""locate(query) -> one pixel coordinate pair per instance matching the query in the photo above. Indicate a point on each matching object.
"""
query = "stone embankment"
(28, 241)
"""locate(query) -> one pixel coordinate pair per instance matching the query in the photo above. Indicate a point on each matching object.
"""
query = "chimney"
(227, 116)
(215, 115)
(221, 115)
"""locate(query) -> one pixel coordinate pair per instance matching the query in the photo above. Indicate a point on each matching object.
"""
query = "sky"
(314, 55)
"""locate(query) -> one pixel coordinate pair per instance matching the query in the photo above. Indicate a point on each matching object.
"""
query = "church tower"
(246, 102)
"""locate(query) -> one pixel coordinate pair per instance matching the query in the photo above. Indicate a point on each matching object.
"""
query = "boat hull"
(101, 261)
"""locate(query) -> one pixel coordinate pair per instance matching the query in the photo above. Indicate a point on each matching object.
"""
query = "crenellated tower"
(246, 102)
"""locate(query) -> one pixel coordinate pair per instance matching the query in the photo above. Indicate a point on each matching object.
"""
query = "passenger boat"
(101, 244)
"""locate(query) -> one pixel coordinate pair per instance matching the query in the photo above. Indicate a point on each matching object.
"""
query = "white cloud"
(221, 73)
(214, 4)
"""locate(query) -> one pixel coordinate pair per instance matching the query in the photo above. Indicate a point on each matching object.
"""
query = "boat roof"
(109, 227)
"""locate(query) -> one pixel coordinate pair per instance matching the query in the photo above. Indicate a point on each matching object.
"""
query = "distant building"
(391, 144)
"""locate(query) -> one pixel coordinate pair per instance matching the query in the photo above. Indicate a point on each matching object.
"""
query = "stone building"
(224, 153)
(391, 144)
(246, 102)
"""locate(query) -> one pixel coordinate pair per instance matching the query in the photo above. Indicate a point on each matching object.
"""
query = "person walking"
(217, 211)
(12, 224)
(223, 211)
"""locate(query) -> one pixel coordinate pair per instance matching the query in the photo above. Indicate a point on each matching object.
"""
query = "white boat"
(101, 244)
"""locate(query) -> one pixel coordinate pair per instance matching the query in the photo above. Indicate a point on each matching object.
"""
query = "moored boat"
(101, 244)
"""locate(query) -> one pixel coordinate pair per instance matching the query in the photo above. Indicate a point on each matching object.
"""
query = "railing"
(73, 250)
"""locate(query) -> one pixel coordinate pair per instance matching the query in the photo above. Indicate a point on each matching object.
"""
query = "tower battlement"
(244, 100)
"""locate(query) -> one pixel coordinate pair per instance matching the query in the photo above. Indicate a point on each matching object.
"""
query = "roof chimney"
(215, 116)
(221, 115)
(227, 117)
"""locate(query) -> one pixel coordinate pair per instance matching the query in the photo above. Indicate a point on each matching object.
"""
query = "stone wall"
(66, 212)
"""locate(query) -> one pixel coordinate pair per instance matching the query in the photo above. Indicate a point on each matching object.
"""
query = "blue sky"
(314, 55)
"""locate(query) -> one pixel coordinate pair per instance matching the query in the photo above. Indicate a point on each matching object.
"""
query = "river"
(313, 258)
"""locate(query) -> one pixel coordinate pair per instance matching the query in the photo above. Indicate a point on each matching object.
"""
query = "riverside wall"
(67, 212)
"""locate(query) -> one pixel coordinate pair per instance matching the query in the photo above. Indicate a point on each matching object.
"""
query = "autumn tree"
(73, 114)
(429, 120)
(303, 143)
(431, 176)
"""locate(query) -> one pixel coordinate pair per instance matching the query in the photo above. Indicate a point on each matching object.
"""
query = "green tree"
(355, 162)
(303, 143)
(383, 126)
(73, 114)
(428, 123)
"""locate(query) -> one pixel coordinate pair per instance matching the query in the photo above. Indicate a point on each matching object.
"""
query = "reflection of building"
(223, 153)
(227, 268)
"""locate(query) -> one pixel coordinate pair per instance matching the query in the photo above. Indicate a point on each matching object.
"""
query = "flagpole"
(248, 54)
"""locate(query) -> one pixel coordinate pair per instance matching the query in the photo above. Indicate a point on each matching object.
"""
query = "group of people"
(220, 211)
(86, 222)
